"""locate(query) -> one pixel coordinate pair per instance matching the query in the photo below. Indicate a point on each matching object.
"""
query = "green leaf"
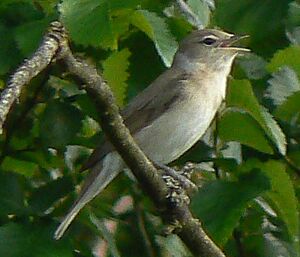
(115, 73)
(43, 158)
(282, 194)
(201, 9)
(7, 2)
(283, 83)
(22, 167)
(48, 6)
(28, 36)
(116, 5)
(289, 109)
(248, 17)
(240, 94)
(44, 196)
(293, 23)
(277, 135)
(253, 65)
(220, 204)
(294, 14)
(277, 247)
(96, 22)
(11, 194)
(88, 22)
(18, 240)
(157, 30)
(65, 88)
(87, 106)
(59, 124)
(239, 126)
(9, 56)
(286, 57)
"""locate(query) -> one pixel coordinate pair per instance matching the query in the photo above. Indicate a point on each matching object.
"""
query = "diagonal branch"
(28, 70)
(191, 231)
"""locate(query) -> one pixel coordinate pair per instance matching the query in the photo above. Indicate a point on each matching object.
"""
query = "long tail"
(101, 175)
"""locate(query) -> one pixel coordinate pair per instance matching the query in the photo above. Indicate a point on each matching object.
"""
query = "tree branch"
(55, 45)
(28, 70)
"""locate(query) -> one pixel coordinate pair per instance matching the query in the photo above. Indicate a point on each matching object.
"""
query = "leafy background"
(248, 164)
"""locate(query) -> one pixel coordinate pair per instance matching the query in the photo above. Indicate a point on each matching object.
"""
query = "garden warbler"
(171, 115)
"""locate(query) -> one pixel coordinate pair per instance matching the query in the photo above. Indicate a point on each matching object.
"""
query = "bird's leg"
(178, 183)
(183, 176)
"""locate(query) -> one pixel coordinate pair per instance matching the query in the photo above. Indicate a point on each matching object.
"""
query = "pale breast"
(173, 133)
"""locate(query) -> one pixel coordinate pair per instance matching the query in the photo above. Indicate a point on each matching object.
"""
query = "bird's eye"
(209, 41)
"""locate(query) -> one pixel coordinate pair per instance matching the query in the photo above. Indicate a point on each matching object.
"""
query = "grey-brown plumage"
(171, 115)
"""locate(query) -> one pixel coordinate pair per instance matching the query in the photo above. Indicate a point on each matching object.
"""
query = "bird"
(171, 114)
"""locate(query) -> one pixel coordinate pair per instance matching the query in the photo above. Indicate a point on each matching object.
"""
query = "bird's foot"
(171, 228)
(178, 183)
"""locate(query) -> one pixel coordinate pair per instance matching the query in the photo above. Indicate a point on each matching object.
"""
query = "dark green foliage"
(249, 162)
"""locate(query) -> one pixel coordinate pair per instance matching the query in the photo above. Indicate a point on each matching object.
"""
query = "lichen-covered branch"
(190, 231)
(28, 70)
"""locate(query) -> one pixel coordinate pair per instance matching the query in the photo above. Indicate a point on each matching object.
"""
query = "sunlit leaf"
(239, 126)
(88, 22)
(281, 194)
(286, 57)
(241, 95)
(156, 28)
(283, 83)
(277, 135)
(22, 167)
(115, 73)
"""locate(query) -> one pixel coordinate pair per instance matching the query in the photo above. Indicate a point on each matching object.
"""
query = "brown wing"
(144, 108)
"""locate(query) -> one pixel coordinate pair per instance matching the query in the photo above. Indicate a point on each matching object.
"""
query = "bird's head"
(209, 49)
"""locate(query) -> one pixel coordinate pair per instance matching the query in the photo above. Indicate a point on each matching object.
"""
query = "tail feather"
(101, 175)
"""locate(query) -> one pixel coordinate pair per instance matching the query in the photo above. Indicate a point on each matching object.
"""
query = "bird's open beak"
(228, 43)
